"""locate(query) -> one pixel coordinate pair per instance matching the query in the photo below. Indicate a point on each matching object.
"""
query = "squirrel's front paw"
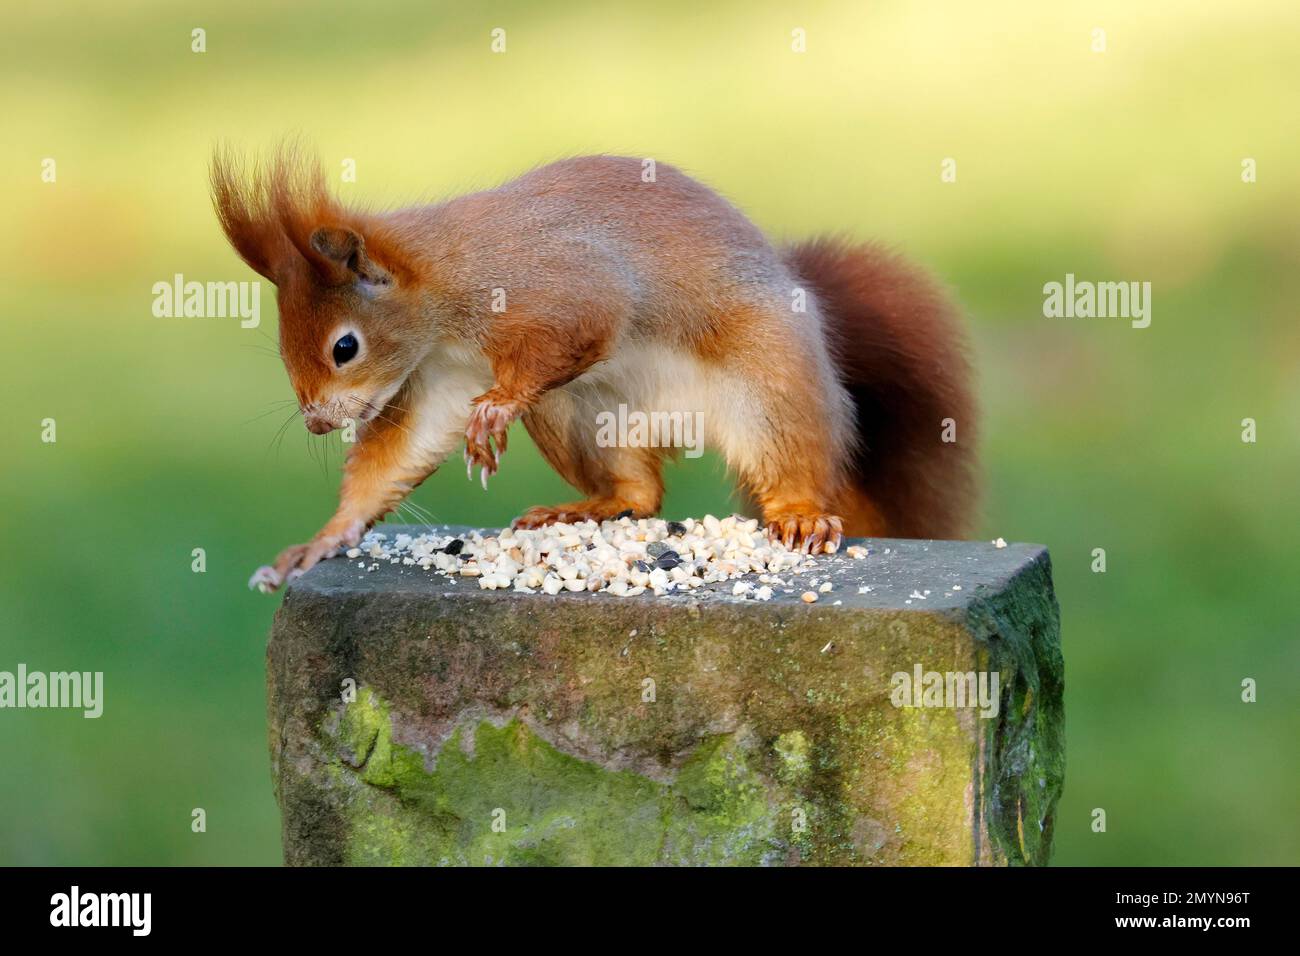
(292, 562)
(298, 559)
(488, 424)
(264, 579)
(811, 533)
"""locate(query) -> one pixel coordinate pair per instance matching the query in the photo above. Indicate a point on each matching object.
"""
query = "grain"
(624, 556)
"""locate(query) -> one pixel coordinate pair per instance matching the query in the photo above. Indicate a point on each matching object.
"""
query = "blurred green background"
(1115, 165)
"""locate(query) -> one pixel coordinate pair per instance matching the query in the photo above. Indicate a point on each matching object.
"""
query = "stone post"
(414, 720)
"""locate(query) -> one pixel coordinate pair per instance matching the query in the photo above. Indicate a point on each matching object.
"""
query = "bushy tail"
(900, 348)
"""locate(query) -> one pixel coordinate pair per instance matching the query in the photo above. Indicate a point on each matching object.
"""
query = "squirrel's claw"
(812, 534)
(485, 438)
(264, 579)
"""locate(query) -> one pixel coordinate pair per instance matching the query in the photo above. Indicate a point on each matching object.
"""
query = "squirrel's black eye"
(345, 349)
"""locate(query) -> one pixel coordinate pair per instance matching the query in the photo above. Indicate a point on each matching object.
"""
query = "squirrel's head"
(349, 331)
(350, 327)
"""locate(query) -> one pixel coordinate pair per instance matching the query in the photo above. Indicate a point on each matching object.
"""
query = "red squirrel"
(827, 373)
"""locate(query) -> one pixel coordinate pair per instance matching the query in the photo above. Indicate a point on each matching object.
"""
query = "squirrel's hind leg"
(616, 480)
(788, 443)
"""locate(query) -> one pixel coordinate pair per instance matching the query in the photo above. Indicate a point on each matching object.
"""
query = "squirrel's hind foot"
(811, 533)
(594, 509)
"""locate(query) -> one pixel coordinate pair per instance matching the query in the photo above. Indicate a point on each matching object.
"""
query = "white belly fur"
(644, 378)
(651, 378)
(442, 389)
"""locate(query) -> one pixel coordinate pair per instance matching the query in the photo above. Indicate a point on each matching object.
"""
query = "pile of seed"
(624, 557)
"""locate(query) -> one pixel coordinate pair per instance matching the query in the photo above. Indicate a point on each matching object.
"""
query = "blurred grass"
(1122, 165)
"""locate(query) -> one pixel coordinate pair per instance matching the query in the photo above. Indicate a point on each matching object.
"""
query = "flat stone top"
(897, 575)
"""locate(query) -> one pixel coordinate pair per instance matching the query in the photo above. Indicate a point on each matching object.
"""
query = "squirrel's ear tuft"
(281, 219)
(241, 197)
(345, 250)
(267, 208)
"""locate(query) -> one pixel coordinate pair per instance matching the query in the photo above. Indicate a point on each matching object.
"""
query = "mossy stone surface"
(416, 721)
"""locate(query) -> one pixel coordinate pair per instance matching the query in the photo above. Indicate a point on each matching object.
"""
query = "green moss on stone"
(511, 798)
(792, 748)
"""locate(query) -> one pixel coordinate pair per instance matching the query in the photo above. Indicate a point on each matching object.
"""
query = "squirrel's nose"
(316, 424)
